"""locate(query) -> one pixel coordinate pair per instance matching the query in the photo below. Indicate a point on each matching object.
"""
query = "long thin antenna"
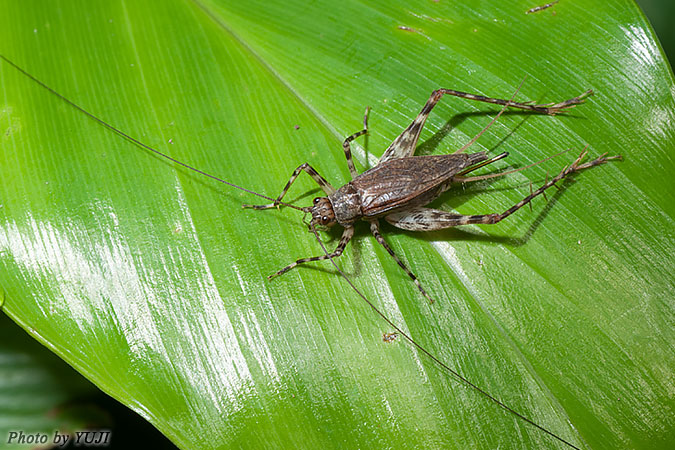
(434, 358)
(139, 143)
(323, 247)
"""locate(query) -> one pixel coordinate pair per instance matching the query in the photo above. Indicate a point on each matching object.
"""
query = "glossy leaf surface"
(151, 280)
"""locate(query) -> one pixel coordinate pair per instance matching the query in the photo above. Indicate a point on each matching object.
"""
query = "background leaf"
(661, 14)
(38, 393)
(41, 395)
(151, 281)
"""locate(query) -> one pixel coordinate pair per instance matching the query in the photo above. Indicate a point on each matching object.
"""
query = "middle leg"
(375, 229)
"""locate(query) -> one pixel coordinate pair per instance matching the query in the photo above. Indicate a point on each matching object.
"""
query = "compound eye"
(316, 200)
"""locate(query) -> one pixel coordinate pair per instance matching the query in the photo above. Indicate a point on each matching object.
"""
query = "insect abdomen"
(409, 182)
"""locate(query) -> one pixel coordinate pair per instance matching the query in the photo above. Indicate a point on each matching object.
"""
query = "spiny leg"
(346, 237)
(573, 168)
(547, 108)
(321, 181)
(346, 144)
(404, 145)
(425, 219)
(375, 229)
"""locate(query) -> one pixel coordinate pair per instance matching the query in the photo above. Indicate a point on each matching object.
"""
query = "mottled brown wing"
(409, 182)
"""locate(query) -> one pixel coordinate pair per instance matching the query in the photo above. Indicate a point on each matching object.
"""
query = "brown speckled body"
(398, 184)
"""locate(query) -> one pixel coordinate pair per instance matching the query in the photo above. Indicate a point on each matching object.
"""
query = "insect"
(399, 186)
(389, 337)
(541, 8)
(406, 213)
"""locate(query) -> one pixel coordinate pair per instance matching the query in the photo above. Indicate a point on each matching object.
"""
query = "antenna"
(430, 355)
(139, 143)
(434, 358)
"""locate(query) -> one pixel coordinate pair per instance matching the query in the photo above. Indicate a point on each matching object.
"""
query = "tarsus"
(323, 247)
(136, 141)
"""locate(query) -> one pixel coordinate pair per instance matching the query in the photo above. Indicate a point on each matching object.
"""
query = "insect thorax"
(346, 203)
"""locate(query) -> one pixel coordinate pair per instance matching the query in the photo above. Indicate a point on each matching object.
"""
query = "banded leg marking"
(375, 229)
(347, 148)
(567, 171)
(344, 240)
(425, 219)
(321, 181)
(404, 145)
(547, 108)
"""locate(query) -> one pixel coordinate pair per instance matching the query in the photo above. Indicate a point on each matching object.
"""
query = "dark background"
(661, 14)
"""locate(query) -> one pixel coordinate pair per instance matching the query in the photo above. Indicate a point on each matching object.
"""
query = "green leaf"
(151, 281)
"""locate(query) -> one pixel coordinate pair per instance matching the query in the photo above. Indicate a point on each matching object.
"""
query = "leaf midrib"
(360, 154)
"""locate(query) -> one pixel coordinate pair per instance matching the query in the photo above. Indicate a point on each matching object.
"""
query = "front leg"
(346, 237)
(321, 181)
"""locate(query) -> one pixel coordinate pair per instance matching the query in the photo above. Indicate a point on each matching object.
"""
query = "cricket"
(401, 184)
(396, 190)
